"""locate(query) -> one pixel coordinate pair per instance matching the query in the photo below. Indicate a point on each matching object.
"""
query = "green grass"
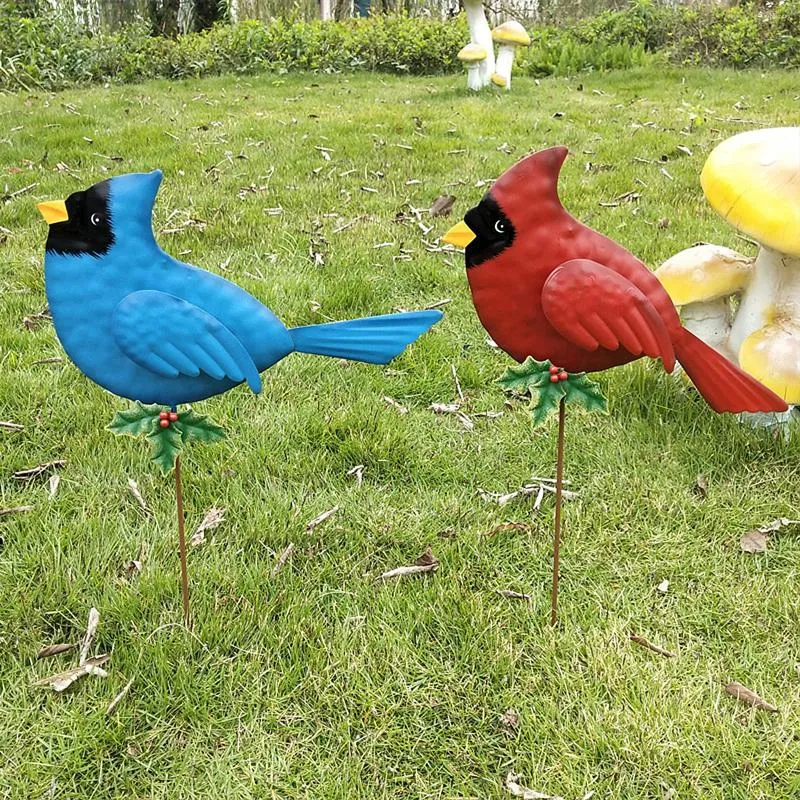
(321, 682)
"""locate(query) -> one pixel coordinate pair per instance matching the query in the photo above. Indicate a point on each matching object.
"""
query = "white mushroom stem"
(480, 33)
(710, 321)
(505, 60)
(474, 78)
(774, 290)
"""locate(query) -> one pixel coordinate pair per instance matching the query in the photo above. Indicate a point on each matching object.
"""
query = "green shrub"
(50, 52)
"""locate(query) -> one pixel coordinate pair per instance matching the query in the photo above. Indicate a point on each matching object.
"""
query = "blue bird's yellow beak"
(460, 235)
(53, 211)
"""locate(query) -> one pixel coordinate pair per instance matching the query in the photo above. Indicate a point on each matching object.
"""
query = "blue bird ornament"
(150, 328)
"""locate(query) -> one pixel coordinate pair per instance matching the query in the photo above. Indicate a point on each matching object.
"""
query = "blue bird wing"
(170, 337)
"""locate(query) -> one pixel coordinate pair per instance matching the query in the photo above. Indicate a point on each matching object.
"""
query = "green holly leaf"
(198, 428)
(546, 399)
(524, 377)
(581, 389)
(136, 420)
(166, 444)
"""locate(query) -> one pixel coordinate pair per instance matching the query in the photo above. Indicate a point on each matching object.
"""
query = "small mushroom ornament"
(509, 36)
(753, 181)
(472, 57)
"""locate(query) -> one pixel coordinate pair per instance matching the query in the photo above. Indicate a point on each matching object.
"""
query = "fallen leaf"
(518, 790)
(465, 421)
(777, 524)
(357, 472)
(112, 706)
(427, 559)
(213, 518)
(748, 697)
(50, 650)
(63, 680)
(426, 562)
(283, 558)
(401, 409)
(91, 630)
(701, 487)
(137, 495)
(442, 206)
(325, 515)
(131, 568)
(507, 526)
(444, 408)
(642, 642)
(509, 720)
(512, 595)
(754, 542)
(37, 471)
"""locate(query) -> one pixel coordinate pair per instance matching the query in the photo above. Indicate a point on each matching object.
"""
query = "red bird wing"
(593, 306)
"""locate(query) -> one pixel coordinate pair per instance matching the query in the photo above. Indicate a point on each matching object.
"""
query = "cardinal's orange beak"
(53, 211)
(460, 235)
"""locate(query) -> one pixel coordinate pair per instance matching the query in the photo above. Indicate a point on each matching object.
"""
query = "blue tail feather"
(376, 340)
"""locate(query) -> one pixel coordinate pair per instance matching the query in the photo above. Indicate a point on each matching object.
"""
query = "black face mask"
(493, 232)
(88, 229)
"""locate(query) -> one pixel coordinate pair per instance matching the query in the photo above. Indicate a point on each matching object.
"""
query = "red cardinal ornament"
(545, 285)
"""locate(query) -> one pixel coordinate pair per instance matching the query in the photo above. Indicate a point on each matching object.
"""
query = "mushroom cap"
(753, 181)
(498, 79)
(511, 33)
(471, 53)
(704, 273)
(771, 356)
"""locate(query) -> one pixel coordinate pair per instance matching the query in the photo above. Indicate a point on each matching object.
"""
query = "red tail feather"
(723, 385)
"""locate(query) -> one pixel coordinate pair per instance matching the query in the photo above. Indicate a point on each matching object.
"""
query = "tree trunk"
(164, 17)
(207, 12)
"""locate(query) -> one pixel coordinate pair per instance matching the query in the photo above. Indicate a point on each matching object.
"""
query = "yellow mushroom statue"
(472, 57)
(509, 36)
(480, 36)
(753, 181)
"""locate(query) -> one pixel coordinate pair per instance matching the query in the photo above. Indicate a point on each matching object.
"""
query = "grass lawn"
(321, 682)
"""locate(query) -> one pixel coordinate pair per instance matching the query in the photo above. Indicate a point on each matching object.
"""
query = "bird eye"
(95, 219)
(499, 226)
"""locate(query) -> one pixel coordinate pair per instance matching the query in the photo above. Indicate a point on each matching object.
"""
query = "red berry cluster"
(165, 417)
(557, 374)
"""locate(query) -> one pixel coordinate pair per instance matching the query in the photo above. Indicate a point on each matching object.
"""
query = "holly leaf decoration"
(545, 400)
(524, 377)
(548, 385)
(166, 444)
(581, 389)
(167, 437)
(135, 421)
(198, 428)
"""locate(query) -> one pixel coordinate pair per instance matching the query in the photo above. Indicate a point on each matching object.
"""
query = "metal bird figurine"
(551, 291)
(155, 330)
(150, 328)
(545, 285)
